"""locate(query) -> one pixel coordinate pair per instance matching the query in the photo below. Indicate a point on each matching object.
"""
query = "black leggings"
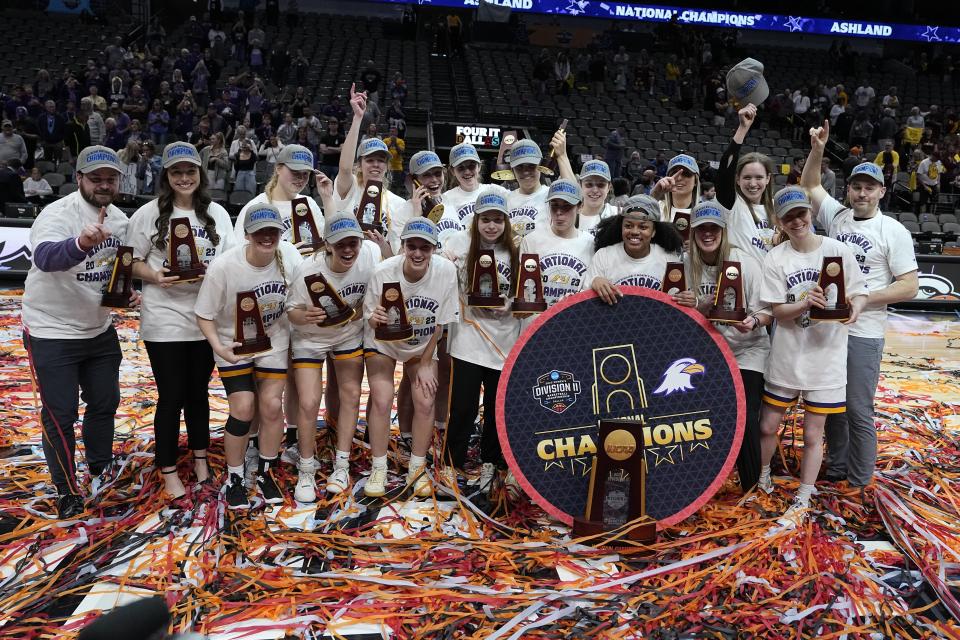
(182, 372)
(748, 462)
(465, 382)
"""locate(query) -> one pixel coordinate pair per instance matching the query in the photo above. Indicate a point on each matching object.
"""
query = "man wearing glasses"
(68, 335)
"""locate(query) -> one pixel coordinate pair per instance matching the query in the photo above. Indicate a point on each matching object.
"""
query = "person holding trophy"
(725, 277)
(182, 227)
(463, 179)
(678, 192)
(884, 250)
(632, 249)
(409, 299)
(338, 281)
(807, 357)
(240, 311)
(480, 342)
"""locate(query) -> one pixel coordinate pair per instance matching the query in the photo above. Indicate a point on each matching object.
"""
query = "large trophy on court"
(120, 286)
(248, 329)
(398, 327)
(728, 301)
(834, 290)
(617, 490)
(183, 260)
(528, 297)
(305, 233)
(326, 297)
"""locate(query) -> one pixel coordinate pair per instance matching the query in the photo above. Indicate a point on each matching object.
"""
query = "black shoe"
(236, 493)
(268, 489)
(835, 477)
(69, 506)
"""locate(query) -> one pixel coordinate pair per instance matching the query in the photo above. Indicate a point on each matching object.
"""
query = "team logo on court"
(556, 391)
(677, 376)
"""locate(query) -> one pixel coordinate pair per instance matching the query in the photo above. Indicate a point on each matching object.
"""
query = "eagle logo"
(677, 376)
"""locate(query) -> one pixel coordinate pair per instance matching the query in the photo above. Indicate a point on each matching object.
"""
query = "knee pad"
(237, 427)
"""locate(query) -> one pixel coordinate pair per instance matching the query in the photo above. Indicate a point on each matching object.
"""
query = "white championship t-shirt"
(393, 212)
(485, 336)
(750, 349)
(350, 285)
(614, 264)
(588, 224)
(807, 355)
(563, 261)
(430, 302)
(753, 236)
(231, 274)
(66, 304)
(166, 314)
(285, 208)
(458, 205)
(884, 250)
(527, 211)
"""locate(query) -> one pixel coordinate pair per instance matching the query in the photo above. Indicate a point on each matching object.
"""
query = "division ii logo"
(556, 391)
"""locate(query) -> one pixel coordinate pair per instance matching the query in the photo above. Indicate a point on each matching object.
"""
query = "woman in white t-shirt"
(564, 251)
(346, 264)
(808, 358)
(351, 183)
(428, 284)
(262, 266)
(745, 188)
(595, 181)
(528, 202)
(633, 249)
(180, 357)
(480, 342)
(679, 190)
(463, 178)
(709, 248)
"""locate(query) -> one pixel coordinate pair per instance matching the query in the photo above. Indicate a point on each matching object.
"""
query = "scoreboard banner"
(643, 359)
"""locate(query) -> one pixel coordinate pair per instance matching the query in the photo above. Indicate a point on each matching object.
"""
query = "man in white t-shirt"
(68, 334)
(884, 250)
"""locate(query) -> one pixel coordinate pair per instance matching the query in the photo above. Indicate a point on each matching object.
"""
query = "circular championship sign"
(644, 359)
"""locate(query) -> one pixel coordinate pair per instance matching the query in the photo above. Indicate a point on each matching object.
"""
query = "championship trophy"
(248, 330)
(326, 297)
(183, 261)
(528, 298)
(728, 303)
(831, 275)
(617, 492)
(549, 165)
(485, 291)
(120, 287)
(430, 206)
(305, 233)
(369, 212)
(397, 327)
(503, 172)
(681, 220)
(674, 280)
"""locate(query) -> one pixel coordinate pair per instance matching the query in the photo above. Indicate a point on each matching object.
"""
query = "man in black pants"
(69, 337)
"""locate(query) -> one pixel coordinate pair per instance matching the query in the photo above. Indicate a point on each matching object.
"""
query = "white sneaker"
(419, 477)
(488, 471)
(795, 514)
(306, 490)
(339, 480)
(376, 484)
(291, 455)
(765, 484)
(251, 457)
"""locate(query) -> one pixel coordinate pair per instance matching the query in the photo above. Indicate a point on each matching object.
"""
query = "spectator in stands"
(660, 164)
(796, 170)
(265, 130)
(862, 130)
(111, 135)
(720, 106)
(542, 72)
(851, 161)
(51, 128)
(118, 91)
(136, 133)
(887, 128)
(396, 146)
(562, 74)
(186, 110)
(11, 186)
(648, 180)
(644, 77)
(287, 131)
(671, 74)
(371, 132)
(148, 169)
(26, 128)
(94, 121)
(621, 192)
(12, 145)
(864, 95)
(36, 187)
(335, 110)
(201, 135)
(635, 166)
(256, 39)
(43, 86)
(891, 101)
(928, 182)
(136, 105)
(121, 121)
(200, 82)
(330, 144)
(280, 63)
(242, 135)
(217, 122)
(256, 105)
(129, 168)
(371, 78)
(245, 163)
(303, 139)
(216, 162)
(299, 103)
(708, 191)
(399, 91)
(828, 179)
(76, 133)
(216, 31)
(598, 72)
(238, 35)
(311, 124)
(158, 123)
(270, 150)
(397, 118)
(844, 124)
(615, 145)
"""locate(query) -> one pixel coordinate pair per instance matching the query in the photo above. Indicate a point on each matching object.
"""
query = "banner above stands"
(711, 18)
